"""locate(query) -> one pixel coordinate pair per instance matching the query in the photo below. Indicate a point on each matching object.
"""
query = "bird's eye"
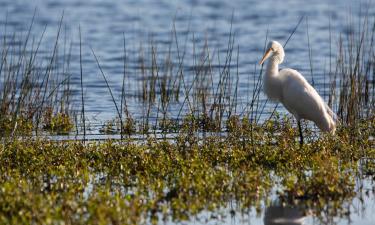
(272, 49)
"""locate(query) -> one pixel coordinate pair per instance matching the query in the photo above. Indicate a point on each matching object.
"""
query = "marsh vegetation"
(122, 182)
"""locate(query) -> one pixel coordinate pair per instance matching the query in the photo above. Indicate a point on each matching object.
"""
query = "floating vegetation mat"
(148, 182)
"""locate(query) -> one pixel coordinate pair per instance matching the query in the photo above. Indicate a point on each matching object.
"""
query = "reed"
(208, 95)
(82, 98)
(173, 88)
(29, 92)
(354, 74)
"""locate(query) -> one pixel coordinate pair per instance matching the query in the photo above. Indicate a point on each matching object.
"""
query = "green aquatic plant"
(126, 182)
(58, 123)
(129, 126)
(10, 125)
(169, 125)
(114, 126)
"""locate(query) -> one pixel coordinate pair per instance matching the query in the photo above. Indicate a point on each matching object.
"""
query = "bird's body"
(290, 88)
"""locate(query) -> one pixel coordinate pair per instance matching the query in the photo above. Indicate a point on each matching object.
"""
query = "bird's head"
(274, 49)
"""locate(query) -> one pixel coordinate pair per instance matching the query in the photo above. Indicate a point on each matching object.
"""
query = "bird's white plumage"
(290, 88)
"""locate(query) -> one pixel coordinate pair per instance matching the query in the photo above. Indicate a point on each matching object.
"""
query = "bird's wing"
(299, 97)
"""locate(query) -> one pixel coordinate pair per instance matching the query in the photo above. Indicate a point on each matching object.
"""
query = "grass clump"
(57, 123)
(129, 126)
(10, 125)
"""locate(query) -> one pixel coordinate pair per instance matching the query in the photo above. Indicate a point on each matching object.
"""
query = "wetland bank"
(116, 182)
(187, 136)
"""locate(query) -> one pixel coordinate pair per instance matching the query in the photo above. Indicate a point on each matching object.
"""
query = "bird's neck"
(272, 66)
(271, 80)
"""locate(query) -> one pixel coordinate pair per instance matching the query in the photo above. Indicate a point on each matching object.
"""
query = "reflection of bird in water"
(283, 215)
(291, 89)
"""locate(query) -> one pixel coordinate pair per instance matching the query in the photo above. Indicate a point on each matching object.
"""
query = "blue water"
(105, 23)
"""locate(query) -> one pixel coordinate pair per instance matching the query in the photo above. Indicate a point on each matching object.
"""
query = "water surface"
(105, 23)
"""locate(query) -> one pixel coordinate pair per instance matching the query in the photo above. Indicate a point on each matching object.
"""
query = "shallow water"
(361, 212)
(104, 23)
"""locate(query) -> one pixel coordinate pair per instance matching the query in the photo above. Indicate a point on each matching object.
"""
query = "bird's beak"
(265, 56)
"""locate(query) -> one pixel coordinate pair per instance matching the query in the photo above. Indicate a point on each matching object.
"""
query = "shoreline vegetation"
(37, 92)
(122, 182)
(222, 158)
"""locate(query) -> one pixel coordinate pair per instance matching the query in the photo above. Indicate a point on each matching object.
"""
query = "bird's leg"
(300, 133)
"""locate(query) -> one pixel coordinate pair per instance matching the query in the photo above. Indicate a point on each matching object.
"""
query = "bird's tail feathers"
(334, 119)
(333, 115)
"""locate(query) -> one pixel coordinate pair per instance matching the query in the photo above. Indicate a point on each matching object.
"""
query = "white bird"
(290, 88)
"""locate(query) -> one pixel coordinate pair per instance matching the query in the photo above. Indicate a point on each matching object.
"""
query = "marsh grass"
(172, 89)
(28, 89)
(355, 66)
(205, 89)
